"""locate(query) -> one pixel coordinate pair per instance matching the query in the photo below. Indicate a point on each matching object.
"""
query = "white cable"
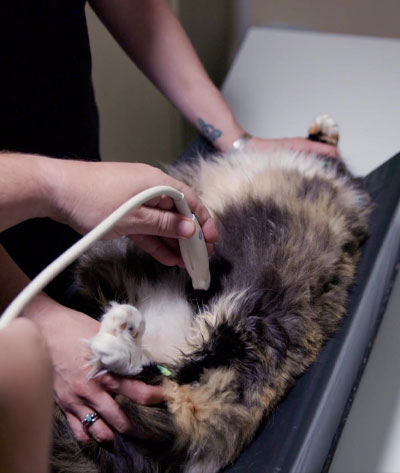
(76, 250)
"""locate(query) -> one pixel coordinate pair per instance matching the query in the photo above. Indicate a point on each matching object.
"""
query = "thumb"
(152, 221)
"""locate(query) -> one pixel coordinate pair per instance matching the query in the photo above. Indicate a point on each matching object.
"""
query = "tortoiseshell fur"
(291, 226)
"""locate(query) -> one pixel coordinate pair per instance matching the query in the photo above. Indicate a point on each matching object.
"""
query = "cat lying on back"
(291, 225)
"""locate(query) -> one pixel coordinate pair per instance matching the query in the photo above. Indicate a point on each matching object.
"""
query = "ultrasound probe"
(194, 250)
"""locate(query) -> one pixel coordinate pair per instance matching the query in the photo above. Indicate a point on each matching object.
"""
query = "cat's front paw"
(117, 346)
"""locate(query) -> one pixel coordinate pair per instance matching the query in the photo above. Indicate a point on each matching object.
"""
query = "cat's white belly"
(168, 317)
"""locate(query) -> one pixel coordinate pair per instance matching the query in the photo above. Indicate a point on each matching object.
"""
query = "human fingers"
(111, 412)
(100, 432)
(108, 416)
(152, 221)
(296, 144)
(309, 146)
(171, 224)
(133, 389)
(78, 403)
(156, 248)
(77, 428)
(162, 202)
(323, 149)
(164, 250)
(137, 392)
(211, 234)
(173, 244)
(198, 208)
(140, 392)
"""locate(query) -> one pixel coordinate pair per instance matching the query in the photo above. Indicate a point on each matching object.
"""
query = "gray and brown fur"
(291, 226)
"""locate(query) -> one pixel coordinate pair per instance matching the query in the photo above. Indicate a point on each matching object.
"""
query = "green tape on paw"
(164, 371)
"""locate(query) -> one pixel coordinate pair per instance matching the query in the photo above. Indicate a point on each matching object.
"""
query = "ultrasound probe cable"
(194, 250)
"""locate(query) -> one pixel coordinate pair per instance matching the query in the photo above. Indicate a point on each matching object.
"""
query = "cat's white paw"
(326, 129)
(122, 320)
(117, 346)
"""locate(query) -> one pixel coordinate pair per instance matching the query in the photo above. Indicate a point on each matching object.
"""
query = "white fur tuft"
(117, 347)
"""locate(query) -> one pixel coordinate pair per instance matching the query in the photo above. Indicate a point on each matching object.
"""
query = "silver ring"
(90, 419)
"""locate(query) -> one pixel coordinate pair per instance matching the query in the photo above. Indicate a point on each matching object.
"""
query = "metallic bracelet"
(241, 141)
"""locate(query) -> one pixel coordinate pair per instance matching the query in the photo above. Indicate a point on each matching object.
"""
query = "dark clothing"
(46, 94)
(47, 107)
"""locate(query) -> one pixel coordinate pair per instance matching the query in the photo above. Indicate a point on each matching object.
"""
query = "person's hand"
(294, 144)
(84, 193)
(75, 393)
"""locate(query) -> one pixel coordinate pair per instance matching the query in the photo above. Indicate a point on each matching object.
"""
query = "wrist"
(22, 186)
(241, 142)
(59, 185)
(48, 179)
(238, 144)
(48, 314)
(43, 312)
(230, 137)
(40, 308)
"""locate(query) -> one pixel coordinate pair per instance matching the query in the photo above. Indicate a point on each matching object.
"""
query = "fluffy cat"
(291, 225)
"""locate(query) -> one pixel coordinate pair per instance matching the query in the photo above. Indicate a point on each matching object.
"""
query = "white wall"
(136, 122)
(362, 17)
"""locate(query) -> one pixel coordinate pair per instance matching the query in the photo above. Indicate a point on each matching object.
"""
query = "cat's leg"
(325, 130)
(117, 347)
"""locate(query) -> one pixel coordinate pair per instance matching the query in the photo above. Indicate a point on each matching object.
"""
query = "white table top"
(282, 79)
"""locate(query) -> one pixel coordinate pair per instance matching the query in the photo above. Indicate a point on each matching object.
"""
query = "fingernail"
(185, 228)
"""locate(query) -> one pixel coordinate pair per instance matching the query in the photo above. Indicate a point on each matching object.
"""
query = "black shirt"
(47, 107)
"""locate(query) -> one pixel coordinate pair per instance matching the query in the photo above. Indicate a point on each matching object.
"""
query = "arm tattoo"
(209, 131)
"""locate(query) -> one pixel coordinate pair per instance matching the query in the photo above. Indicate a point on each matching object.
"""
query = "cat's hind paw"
(325, 130)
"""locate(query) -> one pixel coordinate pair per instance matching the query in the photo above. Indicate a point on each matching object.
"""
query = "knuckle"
(67, 403)
(66, 399)
(82, 389)
(163, 223)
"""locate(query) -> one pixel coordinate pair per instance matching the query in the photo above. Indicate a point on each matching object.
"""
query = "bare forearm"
(12, 281)
(44, 311)
(22, 193)
(157, 43)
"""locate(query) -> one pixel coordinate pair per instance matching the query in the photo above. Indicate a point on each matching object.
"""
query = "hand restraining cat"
(291, 225)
